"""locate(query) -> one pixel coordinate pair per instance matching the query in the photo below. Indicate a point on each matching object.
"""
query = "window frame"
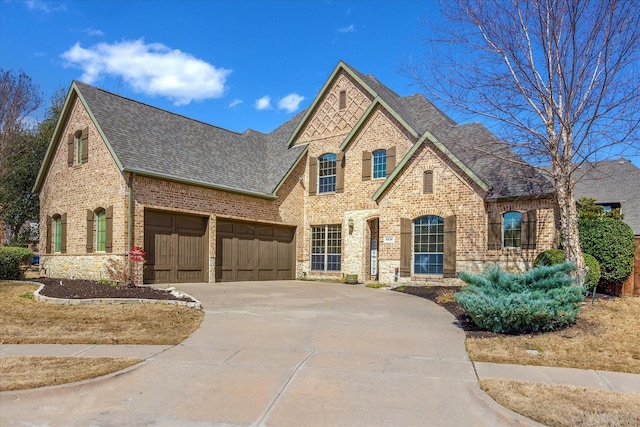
(326, 248)
(424, 237)
(77, 147)
(327, 173)
(515, 238)
(56, 231)
(100, 232)
(379, 164)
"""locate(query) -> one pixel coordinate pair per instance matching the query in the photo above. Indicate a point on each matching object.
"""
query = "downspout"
(130, 222)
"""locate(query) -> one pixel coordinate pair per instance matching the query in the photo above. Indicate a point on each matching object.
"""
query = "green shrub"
(611, 242)
(542, 299)
(550, 257)
(556, 256)
(593, 275)
(11, 260)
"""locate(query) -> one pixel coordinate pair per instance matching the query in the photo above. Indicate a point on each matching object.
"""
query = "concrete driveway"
(287, 353)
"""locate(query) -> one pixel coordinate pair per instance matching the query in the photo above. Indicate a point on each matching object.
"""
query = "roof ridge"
(158, 108)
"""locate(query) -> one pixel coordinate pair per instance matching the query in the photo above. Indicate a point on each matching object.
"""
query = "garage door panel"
(175, 247)
(253, 251)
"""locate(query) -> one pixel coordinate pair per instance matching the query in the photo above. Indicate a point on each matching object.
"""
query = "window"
(78, 147)
(428, 245)
(101, 230)
(327, 173)
(326, 248)
(512, 229)
(57, 233)
(380, 164)
(342, 103)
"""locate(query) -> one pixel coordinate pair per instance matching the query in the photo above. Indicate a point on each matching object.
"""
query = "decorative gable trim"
(377, 101)
(74, 93)
(311, 110)
(407, 158)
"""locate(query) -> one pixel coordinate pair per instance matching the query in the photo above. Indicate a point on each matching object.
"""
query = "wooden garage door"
(175, 245)
(254, 251)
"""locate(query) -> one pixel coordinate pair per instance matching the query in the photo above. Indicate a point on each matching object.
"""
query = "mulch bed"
(85, 289)
(463, 320)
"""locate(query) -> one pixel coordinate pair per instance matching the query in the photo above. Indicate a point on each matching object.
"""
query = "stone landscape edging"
(88, 301)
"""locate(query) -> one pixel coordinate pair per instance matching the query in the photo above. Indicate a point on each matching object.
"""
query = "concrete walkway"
(290, 354)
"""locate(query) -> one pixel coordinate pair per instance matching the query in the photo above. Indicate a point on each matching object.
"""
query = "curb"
(88, 301)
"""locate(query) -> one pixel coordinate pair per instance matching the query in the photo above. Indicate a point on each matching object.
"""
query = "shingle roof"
(148, 139)
(612, 181)
(483, 153)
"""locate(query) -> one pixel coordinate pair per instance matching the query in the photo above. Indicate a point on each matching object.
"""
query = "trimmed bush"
(11, 260)
(611, 242)
(550, 257)
(556, 256)
(542, 299)
(593, 275)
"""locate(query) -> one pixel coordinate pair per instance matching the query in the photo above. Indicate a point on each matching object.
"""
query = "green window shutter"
(366, 165)
(340, 161)
(406, 245)
(85, 145)
(530, 229)
(90, 215)
(391, 160)
(63, 240)
(313, 175)
(427, 184)
(70, 151)
(495, 230)
(449, 267)
(47, 245)
(108, 245)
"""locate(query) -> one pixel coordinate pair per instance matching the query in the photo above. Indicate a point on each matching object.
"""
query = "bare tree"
(19, 97)
(558, 78)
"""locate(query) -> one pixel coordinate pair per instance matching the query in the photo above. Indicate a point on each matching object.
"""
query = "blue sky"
(234, 64)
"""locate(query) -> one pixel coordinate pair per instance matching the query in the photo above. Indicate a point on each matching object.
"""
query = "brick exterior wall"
(72, 190)
(99, 183)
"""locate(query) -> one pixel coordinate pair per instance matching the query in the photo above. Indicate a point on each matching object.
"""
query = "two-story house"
(362, 182)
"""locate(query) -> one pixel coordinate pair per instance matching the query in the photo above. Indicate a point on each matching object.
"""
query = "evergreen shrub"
(612, 243)
(556, 256)
(11, 260)
(542, 299)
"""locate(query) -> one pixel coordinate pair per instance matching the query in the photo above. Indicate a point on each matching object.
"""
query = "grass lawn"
(23, 320)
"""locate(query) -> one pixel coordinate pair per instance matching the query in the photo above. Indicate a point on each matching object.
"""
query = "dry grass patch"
(565, 406)
(24, 320)
(605, 337)
(19, 373)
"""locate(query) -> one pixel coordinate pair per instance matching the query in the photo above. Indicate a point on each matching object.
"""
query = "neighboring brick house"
(363, 182)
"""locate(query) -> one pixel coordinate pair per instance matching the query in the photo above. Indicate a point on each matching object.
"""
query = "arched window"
(57, 233)
(428, 245)
(327, 173)
(379, 164)
(101, 230)
(512, 229)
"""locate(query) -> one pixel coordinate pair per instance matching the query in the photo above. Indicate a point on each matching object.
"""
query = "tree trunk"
(568, 219)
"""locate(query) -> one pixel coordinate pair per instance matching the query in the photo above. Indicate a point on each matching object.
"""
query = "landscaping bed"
(87, 289)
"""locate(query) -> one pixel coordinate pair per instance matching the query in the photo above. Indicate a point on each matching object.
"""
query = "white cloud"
(264, 103)
(45, 6)
(93, 32)
(290, 103)
(347, 29)
(235, 103)
(152, 69)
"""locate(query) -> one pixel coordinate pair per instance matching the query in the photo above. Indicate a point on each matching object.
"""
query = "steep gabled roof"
(154, 142)
(611, 181)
